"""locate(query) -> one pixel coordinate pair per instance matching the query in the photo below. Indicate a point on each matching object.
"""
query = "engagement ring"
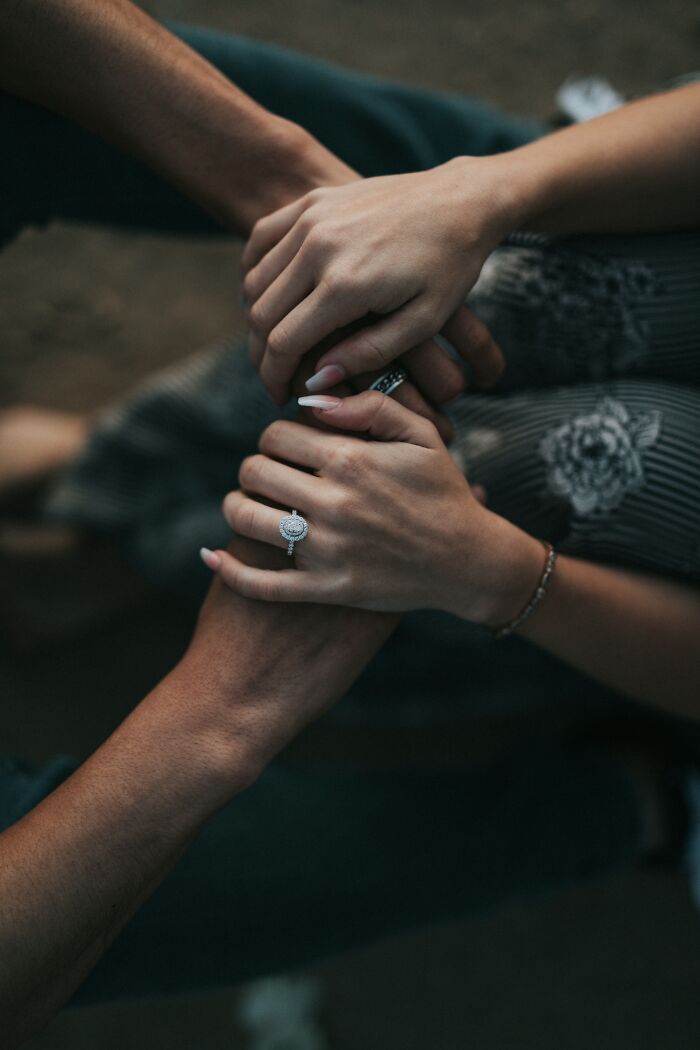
(293, 529)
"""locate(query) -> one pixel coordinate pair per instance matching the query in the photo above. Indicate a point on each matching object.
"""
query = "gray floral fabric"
(595, 459)
(563, 314)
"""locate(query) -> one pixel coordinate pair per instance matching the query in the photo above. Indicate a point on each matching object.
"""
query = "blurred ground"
(85, 313)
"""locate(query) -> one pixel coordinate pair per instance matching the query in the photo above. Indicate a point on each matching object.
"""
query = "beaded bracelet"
(537, 596)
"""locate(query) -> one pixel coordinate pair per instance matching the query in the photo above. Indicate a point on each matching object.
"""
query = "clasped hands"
(393, 524)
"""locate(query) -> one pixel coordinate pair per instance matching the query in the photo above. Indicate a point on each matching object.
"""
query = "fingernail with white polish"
(328, 376)
(323, 401)
(211, 559)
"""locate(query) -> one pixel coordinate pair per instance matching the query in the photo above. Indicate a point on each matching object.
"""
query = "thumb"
(374, 414)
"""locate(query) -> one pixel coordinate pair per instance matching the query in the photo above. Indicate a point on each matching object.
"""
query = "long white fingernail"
(211, 559)
(324, 401)
(329, 375)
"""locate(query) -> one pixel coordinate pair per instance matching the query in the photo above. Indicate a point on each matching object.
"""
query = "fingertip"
(493, 374)
(212, 559)
(326, 376)
(320, 402)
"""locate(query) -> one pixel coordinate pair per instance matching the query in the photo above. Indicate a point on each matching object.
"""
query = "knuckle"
(313, 237)
(259, 227)
(376, 355)
(339, 547)
(229, 502)
(339, 504)
(373, 401)
(256, 317)
(247, 516)
(273, 436)
(250, 286)
(431, 433)
(252, 469)
(478, 335)
(228, 507)
(337, 283)
(453, 385)
(375, 405)
(349, 459)
(320, 235)
(278, 342)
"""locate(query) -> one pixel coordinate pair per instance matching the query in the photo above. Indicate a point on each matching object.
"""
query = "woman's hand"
(405, 249)
(393, 525)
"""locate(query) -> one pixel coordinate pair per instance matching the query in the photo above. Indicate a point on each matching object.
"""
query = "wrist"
(200, 710)
(249, 157)
(541, 187)
(491, 189)
(268, 165)
(492, 589)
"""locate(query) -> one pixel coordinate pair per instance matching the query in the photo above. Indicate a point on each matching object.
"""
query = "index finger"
(269, 230)
(316, 317)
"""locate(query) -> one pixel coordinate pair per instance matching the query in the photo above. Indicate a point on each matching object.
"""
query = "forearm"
(110, 67)
(634, 632)
(638, 634)
(74, 870)
(634, 170)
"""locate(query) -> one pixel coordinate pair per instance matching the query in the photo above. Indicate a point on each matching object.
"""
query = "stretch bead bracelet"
(537, 596)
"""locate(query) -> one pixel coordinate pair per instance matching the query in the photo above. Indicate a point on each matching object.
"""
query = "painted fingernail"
(323, 401)
(211, 559)
(329, 375)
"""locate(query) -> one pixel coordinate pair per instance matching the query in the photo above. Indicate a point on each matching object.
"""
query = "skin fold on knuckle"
(339, 507)
(252, 471)
(275, 437)
(376, 406)
(339, 284)
(349, 461)
(250, 286)
(229, 506)
(257, 236)
(431, 430)
(246, 518)
(278, 346)
(452, 385)
(257, 319)
(373, 355)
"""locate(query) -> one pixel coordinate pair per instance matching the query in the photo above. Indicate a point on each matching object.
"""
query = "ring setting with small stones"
(293, 529)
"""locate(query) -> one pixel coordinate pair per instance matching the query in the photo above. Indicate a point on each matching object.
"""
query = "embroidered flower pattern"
(595, 460)
(563, 315)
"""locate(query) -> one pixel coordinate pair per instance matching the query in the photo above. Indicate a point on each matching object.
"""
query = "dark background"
(615, 964)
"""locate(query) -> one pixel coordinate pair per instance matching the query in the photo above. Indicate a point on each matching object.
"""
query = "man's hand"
(275, 667)
(74, 870)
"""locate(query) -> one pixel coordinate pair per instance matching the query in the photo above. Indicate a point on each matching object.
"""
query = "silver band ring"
(293, 529)
(389, 381)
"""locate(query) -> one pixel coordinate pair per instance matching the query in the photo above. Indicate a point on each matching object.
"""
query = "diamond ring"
(293, 529)
(388, 382)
